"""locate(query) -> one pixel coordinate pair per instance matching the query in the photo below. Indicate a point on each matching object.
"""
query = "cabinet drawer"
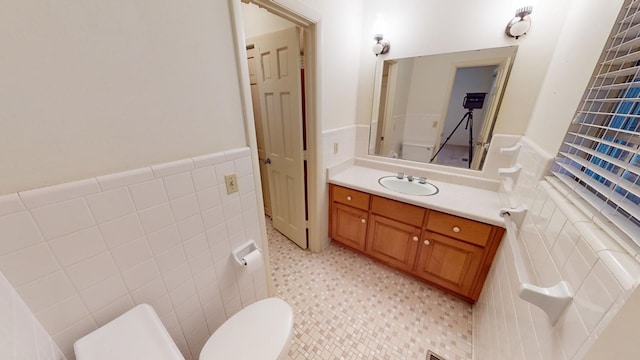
(350, 197)
(408, 214)
(459, 228)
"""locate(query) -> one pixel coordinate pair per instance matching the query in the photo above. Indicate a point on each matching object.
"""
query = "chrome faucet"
(410, 177)
(422, 180)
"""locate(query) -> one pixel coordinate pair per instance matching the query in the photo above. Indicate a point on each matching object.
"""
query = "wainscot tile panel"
(82, 253)
(338, 145)
(21, 335)
(561, 243)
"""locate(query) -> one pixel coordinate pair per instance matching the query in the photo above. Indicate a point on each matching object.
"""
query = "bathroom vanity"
(417, 236)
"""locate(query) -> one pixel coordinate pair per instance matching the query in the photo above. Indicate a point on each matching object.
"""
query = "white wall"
(97, 87)
(560, 244)
(82, 253)
(21, 335)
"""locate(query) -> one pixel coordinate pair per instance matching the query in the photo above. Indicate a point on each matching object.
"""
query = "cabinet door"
(349, 225)
(392, 242)
(449, 263)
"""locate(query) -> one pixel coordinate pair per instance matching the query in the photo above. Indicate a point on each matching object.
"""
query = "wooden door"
(392, 242)
(260, 129)
(281, 110)
(349, 225)
(495, 97)
(450, 263)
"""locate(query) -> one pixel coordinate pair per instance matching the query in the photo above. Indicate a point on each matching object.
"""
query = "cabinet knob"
(349, 198)
(415, 238)
(426, 242)
(363, 220)
(456, 229)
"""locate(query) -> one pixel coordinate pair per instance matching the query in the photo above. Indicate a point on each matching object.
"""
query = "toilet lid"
(259, 331)
(135, 335)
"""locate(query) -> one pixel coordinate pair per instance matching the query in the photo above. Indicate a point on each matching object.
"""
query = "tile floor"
(454, 155)
(347, 306)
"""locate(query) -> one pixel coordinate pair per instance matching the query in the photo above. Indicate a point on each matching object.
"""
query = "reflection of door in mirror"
(387, 125)
(482, 145)
(462, 127)
(487, 76)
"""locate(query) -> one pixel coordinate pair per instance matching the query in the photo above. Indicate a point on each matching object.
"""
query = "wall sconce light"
(521, 23)
(381, 46)
(379, 28)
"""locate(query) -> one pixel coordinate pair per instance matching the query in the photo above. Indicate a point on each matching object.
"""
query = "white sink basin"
(405, 186)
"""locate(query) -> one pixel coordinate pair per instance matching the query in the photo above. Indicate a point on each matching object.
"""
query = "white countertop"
(464, 201)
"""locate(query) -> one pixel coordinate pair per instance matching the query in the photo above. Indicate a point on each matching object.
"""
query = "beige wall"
(571, 66)
(257, 21)
(422, 28)
(96, 87)
(620, 339)
(339, 51)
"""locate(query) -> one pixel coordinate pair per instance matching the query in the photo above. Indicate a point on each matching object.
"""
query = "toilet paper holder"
(243, 250)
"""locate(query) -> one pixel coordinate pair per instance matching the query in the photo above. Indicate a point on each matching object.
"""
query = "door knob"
(349, 198)
(426, 242)
(456, 229)
(363, 220)
(415, 238)
(267, 161)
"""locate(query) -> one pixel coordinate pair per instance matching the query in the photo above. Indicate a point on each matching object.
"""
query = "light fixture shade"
(381, 46)
(521, 23)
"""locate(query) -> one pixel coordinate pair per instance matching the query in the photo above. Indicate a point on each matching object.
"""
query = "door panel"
(281, 107)
(260, 131)
(482, 144)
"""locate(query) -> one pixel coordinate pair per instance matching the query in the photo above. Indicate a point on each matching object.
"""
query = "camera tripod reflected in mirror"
(470, 102)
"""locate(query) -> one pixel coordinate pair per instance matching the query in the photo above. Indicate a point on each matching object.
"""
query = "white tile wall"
(21, 335)
(345, 137)
(562, 244)
(82, 253)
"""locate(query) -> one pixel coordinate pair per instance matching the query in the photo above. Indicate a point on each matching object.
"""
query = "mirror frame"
(454, 66)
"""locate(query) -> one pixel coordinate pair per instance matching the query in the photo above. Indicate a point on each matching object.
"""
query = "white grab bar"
(552, 300)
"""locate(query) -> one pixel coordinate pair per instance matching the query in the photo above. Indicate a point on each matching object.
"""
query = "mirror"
(439, 109)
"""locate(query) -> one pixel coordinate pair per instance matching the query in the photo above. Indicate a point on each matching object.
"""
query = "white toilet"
(260, 331)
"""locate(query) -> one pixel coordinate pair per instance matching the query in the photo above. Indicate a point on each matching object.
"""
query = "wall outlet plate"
(231, 180)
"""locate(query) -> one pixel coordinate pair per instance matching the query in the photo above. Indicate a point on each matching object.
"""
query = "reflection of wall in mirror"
(471, 79)
(419, 133)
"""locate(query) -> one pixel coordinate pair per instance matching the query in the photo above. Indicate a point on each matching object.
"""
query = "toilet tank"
(135, 335)
(417, 151)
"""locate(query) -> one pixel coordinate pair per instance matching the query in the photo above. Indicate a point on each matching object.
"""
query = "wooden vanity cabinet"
(394, 232)
(349, 216)
(456, 253)
(349, 226)
(448, 251)
(449, 263)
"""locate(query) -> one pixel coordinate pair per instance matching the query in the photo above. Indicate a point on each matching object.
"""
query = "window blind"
(599, 158)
